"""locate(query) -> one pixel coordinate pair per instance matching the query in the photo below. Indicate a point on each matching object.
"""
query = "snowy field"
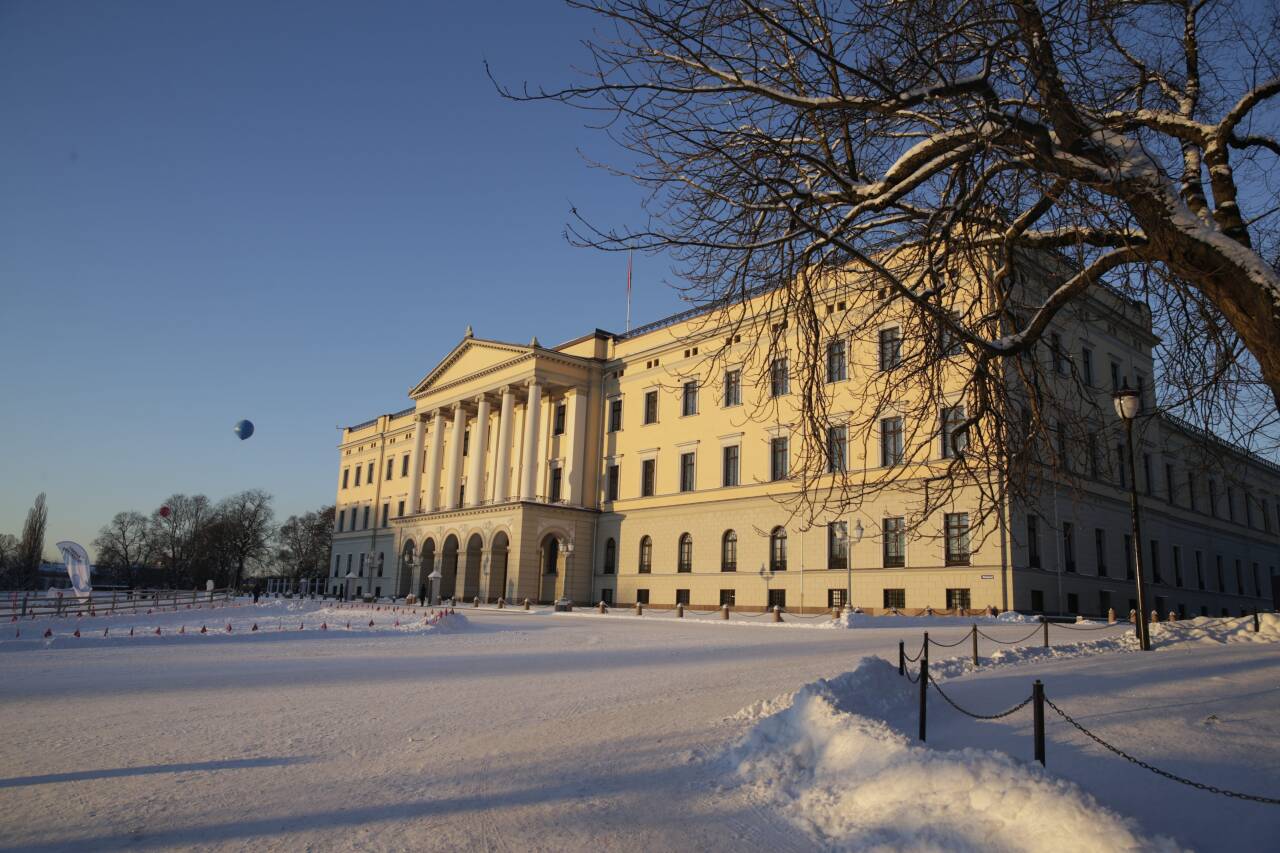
(502, 730)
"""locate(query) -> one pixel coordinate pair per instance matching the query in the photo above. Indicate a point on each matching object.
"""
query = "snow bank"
(862, 620)
(833, 762)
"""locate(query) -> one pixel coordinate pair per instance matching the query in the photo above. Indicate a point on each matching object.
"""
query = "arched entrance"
(427, 565)
(551, 562)
(404, 580)
(498, 569)
(471, 575)
(449, 568)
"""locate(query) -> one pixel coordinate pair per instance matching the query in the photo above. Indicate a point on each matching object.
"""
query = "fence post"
(1256, 626)
(924, 684)
(902, 659)
(1037, 693)
(1044, 620)
(975, 645)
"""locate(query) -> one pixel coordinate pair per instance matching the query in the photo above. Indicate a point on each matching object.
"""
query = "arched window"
(778, 550)
(729, 552)
(646, 555)
(610, 556)
(685, 561)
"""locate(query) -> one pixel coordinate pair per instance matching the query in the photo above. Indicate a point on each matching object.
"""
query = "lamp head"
(1127, 402)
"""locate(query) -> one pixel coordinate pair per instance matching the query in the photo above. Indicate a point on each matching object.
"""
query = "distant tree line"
(194, 541)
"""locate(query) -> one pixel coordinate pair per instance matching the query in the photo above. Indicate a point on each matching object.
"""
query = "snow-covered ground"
(513, 730)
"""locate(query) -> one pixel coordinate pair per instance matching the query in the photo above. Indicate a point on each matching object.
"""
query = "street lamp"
(848, 562)
(1128, 404)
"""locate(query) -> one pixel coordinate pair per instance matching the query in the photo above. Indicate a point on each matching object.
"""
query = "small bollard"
(502, 602)
(526, 604)
(639, 609)
(475, 602)
(724, 611)
(1256, 625)
(601, 607)
(1037, 693)
(1045, 622)
(679, 610)
(975, 645)
(1111, 616)
(1173, 617)
(902, 659)
(1155, 617)
(835, 613)
(924, 684)
(777, 613)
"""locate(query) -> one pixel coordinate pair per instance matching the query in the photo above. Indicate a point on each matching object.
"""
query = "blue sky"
(286, 212)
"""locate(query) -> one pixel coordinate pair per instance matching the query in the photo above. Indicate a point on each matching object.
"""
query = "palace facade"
(628, 468)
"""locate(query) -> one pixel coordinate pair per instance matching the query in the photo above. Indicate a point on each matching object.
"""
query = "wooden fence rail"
(26, 604)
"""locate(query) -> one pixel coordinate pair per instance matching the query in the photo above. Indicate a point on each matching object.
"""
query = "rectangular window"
(957, 530)
(1199, 570)
(1069, 545)
(391, 468)
(682, 597)
(642, 596)
(557, 426)
(1104, 601)
(557, 478)
(1170, 485)
(1100, 550)
(1141, 382)
(1231, 503)
(360, 570)
(837, 449)
(778, 599)
(365, 525)
(689, 400)
(732, 387)
(958, 599)
(1094, 466)
(1239, 579)
(611, 483)
(1115, 376)
(345, 472)
(1191, 491)
(890, 441)
(1213, 498)
(1177, 565)
(895, 542)
(838, 545)
(727, 597)
(650, 407)
(730, 473)
(386, 513)
(648, 472)
(895, 599)
(686, 472)
(837, 362)
(1086, 365)
(400, 509)
(615, 414)
(404, 465)
(890, 348)
(359, 471)
(779, 378)
(954, 439)
(1037, 600)
(836, 597)
(778, 462)
(369, 478)
(1155, 562)
(1222, 585)
(1123, 479)
(1033, 541)
(1073, 602)
(342, 519)
(1056, 354)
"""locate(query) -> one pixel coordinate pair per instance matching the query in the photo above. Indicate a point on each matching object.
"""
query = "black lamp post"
(1128, 404)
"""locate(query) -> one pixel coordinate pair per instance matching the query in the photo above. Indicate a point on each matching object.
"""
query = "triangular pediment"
(471, 356)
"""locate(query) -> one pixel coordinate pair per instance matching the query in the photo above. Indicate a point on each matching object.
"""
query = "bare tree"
(175, 538)
(8, 551)
(124, 544)
(246, 519)
(305, 542)
(25, 569)
(978, 172)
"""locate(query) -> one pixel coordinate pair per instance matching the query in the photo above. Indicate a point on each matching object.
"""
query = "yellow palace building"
(630, 468)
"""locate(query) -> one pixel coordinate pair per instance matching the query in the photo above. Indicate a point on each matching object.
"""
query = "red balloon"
(164, 512)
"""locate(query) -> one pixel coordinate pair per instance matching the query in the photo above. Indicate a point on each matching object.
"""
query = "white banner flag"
(77, 567)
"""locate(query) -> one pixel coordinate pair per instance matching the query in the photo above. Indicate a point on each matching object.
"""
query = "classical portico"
(501, 432)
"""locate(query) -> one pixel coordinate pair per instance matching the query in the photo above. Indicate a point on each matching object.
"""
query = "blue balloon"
(244, 429)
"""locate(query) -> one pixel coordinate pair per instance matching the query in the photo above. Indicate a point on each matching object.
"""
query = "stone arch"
(472, 566)
(404, 571)
(426, 565)
(449, 567)
(499, 551)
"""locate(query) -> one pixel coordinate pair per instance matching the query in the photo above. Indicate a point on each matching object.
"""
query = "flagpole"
(630, 254)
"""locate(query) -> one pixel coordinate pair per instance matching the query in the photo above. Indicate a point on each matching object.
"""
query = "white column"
(479, 440)
(576, 427)
(415, 466)
(453, 479)
(434, 461)
(502, 469)
(529, 474)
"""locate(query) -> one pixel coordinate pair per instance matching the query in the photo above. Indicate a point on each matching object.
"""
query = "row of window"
(1155, 571)
(893, 547)
(894, 599)
(337, 565)
(354, 514)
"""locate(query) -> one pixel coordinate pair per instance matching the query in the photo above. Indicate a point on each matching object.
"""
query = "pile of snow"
(835, 760)
(862, 620)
